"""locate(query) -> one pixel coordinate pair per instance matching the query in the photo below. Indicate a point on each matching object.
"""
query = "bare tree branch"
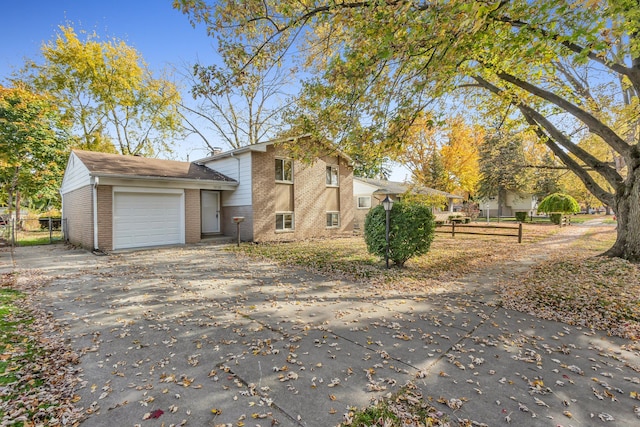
(554, 139)
(595, 126)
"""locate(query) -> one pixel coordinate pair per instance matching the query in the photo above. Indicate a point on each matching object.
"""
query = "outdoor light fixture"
(387, 203)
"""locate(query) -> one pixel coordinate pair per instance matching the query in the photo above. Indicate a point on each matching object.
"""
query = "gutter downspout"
(96, 182)
(62, 221)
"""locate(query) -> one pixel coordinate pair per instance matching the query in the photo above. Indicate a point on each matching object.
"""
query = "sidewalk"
(211, 338)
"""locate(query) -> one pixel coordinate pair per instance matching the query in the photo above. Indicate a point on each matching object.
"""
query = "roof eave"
(233, 182)
(262, 147)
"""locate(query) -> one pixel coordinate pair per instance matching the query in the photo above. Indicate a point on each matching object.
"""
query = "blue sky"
(161, 34)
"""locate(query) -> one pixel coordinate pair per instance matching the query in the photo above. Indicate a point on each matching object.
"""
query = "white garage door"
(147, 219)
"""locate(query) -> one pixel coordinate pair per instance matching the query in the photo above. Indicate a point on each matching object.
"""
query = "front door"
(210, 211)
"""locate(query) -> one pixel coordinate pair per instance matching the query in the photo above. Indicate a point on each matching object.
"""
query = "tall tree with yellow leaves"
(108, 93)
(461, 156)
(443, 156)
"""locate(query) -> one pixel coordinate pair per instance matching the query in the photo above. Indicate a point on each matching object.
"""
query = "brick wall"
(192, 226)
(263, 195)
(229, 227)
(105, 217)
(77, 207)
(347, 206)
(359, 216)
(311, 198)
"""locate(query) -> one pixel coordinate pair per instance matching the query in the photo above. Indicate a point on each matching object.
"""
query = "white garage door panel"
(147, 219)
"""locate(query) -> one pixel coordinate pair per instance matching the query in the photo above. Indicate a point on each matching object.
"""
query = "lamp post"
(486, 208)
(387, 203)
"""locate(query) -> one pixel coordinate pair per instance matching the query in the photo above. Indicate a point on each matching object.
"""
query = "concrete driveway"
(202, 337)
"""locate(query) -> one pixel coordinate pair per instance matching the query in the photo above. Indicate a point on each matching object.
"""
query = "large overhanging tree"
(387, 60)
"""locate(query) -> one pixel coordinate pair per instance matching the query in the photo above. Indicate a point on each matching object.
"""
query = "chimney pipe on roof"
(216, 150)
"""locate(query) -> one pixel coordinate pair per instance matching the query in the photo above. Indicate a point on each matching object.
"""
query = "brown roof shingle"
(103, 164)
(394, 187)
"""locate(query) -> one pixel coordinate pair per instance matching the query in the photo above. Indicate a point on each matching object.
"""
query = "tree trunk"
(11, 191)
(627, 212)
(10, 202)
(18, 201)
(502, 195)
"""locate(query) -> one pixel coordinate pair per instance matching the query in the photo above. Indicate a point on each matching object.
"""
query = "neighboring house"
(369, 193)
(514, 202)
(111, 201)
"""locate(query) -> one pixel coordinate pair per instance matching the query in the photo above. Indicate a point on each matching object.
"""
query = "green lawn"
(17, 350)
(575, 219)
(449, 257)
(38, 240)
(33, 238)
(31, 362)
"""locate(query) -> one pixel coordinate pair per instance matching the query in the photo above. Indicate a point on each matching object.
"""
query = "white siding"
(240, 172)
(76, 175)
(522, 202)
(363, 189)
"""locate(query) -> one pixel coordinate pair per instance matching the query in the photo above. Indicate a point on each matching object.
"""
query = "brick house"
(282, 198)
(111, 202)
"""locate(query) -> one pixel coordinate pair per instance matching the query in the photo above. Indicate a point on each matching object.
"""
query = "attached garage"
(147, 218)
(112, 202)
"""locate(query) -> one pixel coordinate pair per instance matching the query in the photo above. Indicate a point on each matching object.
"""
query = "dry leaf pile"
(348, 259)
(39, 372)
(599, 293)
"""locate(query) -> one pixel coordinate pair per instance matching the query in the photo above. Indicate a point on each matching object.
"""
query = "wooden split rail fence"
(475, 229)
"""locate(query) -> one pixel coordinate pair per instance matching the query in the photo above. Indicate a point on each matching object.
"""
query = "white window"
(364, 202)
(333, 219)
(284, 221)
(284, 170)
(332, 175)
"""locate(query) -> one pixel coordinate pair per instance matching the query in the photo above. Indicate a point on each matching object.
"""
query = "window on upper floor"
(332, 175)
(364, 202)
(284, 170)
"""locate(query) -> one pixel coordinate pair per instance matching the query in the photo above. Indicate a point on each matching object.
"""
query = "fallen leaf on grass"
(597, 292)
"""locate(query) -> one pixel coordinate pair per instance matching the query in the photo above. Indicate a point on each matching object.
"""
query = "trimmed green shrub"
(559, 203)
(555, 218)
(411, 231)
(521, 216)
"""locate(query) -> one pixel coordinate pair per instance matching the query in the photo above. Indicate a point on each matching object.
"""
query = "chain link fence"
(31, 231)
